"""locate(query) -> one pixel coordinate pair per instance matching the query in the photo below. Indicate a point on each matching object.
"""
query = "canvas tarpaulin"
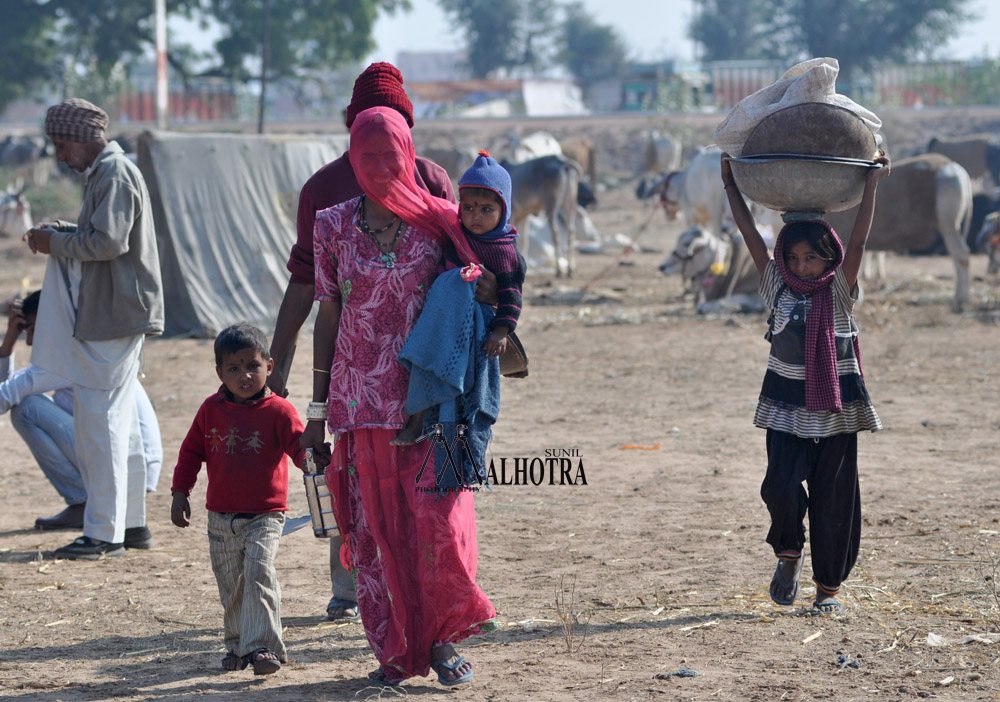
(224, 207)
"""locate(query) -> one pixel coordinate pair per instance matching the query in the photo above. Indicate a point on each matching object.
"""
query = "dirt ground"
(602, 590)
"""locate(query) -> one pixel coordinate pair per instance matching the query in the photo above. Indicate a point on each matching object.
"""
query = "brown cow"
(581, 149)
(978, 154)
(926, 195)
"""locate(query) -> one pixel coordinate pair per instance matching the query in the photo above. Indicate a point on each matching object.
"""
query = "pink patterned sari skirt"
(413, 551)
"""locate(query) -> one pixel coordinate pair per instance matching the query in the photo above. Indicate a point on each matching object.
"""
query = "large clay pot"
(812, 157)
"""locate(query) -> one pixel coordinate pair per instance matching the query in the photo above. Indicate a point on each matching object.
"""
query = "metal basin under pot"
(800, 182)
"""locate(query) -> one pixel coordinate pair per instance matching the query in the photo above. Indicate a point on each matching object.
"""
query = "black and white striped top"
(782, 402)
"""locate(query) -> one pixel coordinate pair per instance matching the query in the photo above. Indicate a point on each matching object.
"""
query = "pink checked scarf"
(383, 159)
(822, 380)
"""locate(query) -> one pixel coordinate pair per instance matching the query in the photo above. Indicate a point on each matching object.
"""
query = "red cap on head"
(379, 85)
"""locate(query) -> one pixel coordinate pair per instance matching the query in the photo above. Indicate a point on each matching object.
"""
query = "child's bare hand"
(486, 287)
(880, 173)
(180, 510)
(727, 170)
(314, 437)
(495, 346)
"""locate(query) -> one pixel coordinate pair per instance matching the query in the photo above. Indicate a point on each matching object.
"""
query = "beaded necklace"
(385, 249)
(363, 221)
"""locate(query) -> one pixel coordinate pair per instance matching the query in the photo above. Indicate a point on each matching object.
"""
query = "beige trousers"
(243, 548)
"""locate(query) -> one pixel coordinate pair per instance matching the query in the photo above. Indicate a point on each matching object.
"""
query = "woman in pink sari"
(413, 551)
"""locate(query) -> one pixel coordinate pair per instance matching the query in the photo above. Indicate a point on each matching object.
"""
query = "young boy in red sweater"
(243, 433)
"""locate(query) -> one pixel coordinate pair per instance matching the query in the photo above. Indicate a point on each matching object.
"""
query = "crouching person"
(45, 422)
(243, 433)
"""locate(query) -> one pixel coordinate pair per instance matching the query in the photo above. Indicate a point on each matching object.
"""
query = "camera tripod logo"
(437, 438)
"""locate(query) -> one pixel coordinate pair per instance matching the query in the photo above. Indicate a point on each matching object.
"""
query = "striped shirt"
(782, 402)
(501, 257)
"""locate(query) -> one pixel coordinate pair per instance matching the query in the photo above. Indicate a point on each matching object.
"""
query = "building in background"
(666, 85)
(495, 98)
(202, 99)
(432, 66)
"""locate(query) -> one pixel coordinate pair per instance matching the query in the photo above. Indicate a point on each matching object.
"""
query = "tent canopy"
(225, 207)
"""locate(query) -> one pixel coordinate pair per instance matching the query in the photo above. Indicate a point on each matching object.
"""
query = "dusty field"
(660, 558)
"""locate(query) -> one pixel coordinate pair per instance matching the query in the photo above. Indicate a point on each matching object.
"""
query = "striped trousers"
(243, 548)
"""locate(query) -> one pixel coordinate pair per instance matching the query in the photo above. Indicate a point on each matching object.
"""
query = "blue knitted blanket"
(451, 378)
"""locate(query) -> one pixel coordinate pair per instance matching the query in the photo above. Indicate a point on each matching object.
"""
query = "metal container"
(320, 500)
(801, 183)
(811, 157)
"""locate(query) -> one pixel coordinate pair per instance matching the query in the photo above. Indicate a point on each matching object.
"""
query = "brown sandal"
(264, 661)
(233, 662)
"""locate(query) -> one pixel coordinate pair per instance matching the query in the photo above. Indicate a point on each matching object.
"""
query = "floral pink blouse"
(380, 302)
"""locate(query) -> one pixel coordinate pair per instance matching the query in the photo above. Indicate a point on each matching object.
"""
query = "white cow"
(697, 193)
(661, 152)
(696, 252)
(525, 148)
(719, 272)
(15, 212)
(988, 241)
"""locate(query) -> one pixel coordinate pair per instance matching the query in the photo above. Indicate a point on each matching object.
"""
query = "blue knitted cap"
(485, 172)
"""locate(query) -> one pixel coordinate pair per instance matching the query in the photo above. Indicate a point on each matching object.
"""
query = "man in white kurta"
(101, 296)
(46, 422)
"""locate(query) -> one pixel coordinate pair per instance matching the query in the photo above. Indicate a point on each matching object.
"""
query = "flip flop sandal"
(347, 606)
(231, 662)
(262, 665)
(778, 581)
(832, 607)
(453, 668)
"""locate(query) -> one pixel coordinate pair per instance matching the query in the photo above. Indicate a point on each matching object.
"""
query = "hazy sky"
(653, 29)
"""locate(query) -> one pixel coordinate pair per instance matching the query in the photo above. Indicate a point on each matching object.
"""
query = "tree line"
(86, 46)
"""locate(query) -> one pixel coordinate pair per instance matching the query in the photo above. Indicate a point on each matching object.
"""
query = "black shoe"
(88, 549)
(69, 518)
(138, 537)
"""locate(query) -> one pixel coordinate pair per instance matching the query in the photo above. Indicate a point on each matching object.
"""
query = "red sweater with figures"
(244, 448)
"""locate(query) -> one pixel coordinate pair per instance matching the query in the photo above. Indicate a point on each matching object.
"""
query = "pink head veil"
(380, 130)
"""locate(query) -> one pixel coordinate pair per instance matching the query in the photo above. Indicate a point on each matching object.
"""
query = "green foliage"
(304, 34)
(730, 31)
(491, 32)
(508, 37)
(85, 46)
(98, 39)
(27, 51)
(536, 39)
(983, 83)
(81, 46)
(861, 33)
(592, 52)
(858, 33)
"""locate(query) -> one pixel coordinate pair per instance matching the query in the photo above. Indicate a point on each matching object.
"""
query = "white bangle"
(316, 410)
